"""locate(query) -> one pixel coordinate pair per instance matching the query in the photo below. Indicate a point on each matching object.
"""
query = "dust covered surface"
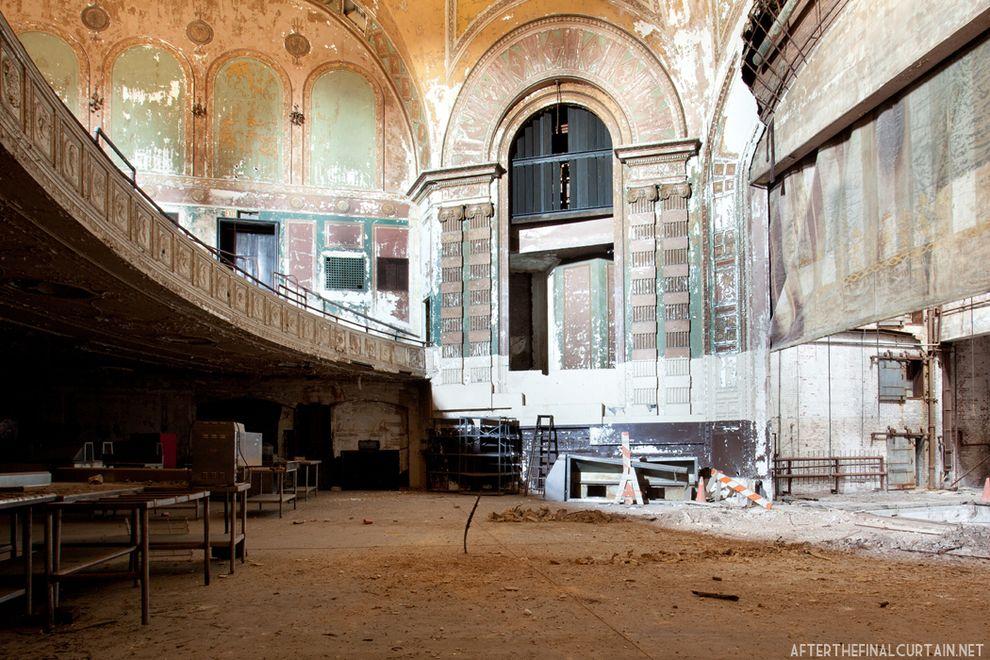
(545, 514)
(402, 587)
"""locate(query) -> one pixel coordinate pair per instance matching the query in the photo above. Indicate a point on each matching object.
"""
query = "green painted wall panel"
(147, 109)
(343, 128)
(248, 121)
(57, 62)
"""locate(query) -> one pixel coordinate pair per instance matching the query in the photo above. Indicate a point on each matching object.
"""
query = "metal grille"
(345, 273)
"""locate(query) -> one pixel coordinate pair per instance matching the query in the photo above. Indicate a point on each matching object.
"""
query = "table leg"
(230, 521)
(206, 540)
(316, 480)
(132, 563)
(226, 499)
(57, 551)
(145, 568)
(13, 535)
(27, 550)
(281, 491)
(49, 573)
(243, 526)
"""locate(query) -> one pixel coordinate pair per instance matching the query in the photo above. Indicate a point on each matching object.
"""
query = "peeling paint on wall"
(57, 62)
(248, 121)
(148, 109)
(342, 144)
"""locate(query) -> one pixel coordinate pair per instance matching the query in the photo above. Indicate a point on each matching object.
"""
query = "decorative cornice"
(642, 194)
(668, 151)
(430, 180)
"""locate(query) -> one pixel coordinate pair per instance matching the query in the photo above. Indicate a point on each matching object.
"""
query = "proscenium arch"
(531, 101)
(561, 48)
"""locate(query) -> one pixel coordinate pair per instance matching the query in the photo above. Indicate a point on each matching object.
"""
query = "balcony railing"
(284, 286)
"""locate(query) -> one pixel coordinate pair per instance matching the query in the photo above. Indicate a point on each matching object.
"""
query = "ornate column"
(478, 292)
(451, 294)
(657, 270)
(676, 301)
(462, 279)
(642, 245)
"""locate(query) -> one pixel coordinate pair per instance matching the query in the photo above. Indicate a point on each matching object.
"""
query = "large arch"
(563, 48)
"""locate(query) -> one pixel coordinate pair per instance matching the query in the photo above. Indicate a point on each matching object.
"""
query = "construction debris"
(544, 514)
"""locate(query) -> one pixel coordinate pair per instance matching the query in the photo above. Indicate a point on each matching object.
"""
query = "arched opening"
(561, 242)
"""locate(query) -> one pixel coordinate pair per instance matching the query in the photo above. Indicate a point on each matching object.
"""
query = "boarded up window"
(393, 274)
(561, 162)
(900, 379)
(345, 273)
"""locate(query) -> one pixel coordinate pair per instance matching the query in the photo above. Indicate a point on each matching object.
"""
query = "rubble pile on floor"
(544, 514)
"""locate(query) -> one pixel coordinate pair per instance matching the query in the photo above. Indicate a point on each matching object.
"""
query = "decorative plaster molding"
(448, 213)
(484, 210)
(642, 194)
(667, 151)
(449, 177)
(668, 190)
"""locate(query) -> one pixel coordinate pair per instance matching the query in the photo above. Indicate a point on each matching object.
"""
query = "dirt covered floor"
(384, 575)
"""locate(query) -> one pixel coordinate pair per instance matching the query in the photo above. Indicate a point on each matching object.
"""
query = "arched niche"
(248, 120)
(344, 116)
(58, 63)
(147, 108)
(562, 48)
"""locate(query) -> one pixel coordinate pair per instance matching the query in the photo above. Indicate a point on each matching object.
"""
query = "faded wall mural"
(58, 63)
(890, 216)
(248, 121)
(342, 139)
(147, 111)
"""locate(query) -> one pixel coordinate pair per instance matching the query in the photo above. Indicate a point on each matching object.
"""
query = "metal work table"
(278, 495)
(306, 488)
(21, 506)
(231, 494)
(139, 504)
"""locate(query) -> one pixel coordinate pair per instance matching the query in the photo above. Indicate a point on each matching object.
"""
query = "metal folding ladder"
(542, 452)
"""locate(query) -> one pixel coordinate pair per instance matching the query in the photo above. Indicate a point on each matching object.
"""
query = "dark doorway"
(251, 245)
(528, 321)
(313, 439)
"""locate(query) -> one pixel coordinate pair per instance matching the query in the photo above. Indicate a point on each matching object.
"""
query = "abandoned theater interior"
(494, 328)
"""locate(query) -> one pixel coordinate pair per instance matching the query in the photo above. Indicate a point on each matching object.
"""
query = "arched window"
(343, 131)
(561, 165)
(561, 240)
(248, 121)
(58, 64)
(147, 109)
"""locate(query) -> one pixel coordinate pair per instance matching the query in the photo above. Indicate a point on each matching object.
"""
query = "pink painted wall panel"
(300, 236)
